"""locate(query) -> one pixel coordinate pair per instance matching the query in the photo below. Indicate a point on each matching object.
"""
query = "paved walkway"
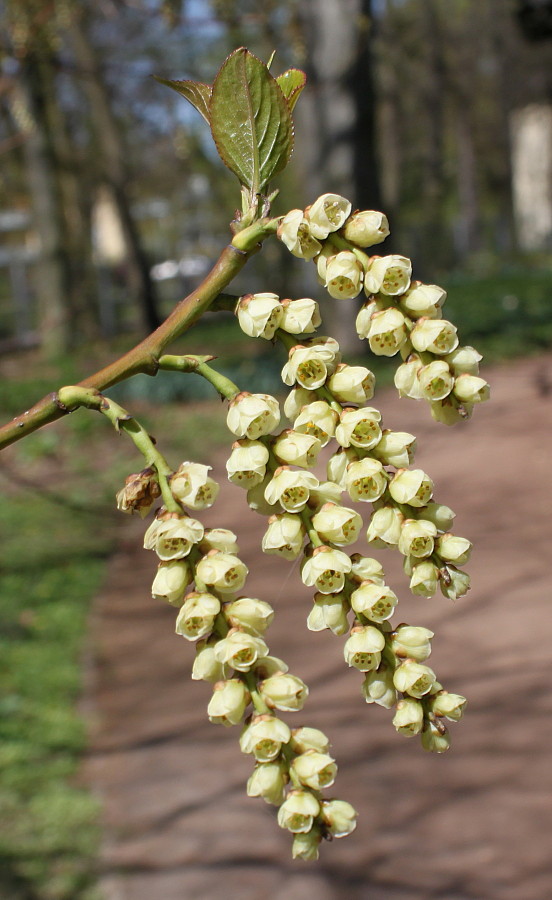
(473, 824)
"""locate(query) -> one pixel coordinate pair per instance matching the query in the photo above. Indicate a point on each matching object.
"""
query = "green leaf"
(197, 93)
(291, 84)
(250, 120)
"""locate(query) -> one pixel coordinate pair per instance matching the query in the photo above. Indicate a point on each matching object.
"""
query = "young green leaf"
(250, 120)
(197, 93)
(291, 84)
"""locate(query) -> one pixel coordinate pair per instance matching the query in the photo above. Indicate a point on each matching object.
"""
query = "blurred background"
(113, 204)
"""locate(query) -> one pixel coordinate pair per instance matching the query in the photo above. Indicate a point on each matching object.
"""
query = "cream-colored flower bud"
(387, 332)
(464, 361)
(253, 415)
(246, 465)
(240, 650)
(385, 526)
(364, 317)
(435, 380)
(344, 274)
(268, 781)
(412, 641)
(424, 579)
(455, 584)
(249, 614)
(375, 601)
(140, 492)
(290, 488)
(305, 846)
(306, 366)
(326, 569)
(366, 228)
(411, 486)
(326, 492)
(417, 538)
(366, 480)
(406, 378)
(339, 817)
(300, 316)
(388, 275)
(378, 687)
(228, 703)
(395, 448)
(218, 539)
(304, 738)
(454, 549)
(352, 384)
(359, 428)
(337, 524)
(294, 448)
(264, 737)
(413, 678)
(171, 581)
(298, 811)
(336, 467)
(441, 516)
(449, 706)
(367, 569)
(409, 718)
(284, 536)
(471, 389)
(256, 498)
(436, 335)
(315, 770)
(328, 213)
(294, 232)
(268, 666)
(285, 692)
(174, 537)
(435, 739)
(449, 411)
(192, 486)
(206, 667)
(423, 300)
(319, 420)
(259, 315)
(297, 398)
(197, 616)
(329, 611)
(222, 571)
(363, 648)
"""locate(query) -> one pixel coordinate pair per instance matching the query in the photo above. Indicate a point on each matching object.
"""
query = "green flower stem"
(342, 244)
(73, 397)
(198, 364)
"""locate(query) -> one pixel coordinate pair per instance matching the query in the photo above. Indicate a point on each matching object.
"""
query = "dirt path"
(471, 825)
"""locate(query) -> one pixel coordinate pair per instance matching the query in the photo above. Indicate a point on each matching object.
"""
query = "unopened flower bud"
(424, 579)
(222, 571)
(192, 486)
(249, 614)
(326, 492)
(423, 300)
(343, 277)
(359, 428)
(441, 516)
(375, 601)
(406, 378)
(305, 846)
(252, 415)
(471, 389)
(411, 486)
(417, 538)
(285, 692)
(385, 526)
(366, 480)
(259, 315)
(435, 380)
(294, 448)
(363, 648)
(388, 275)
(300, 316)
(303, 739)
(409, 718)
(435, 739)
(264, 737)
(140, 492)
(450, 411)
(395, 448)
(197, 616)
(449, 706)
(240, 650)
(297, 398)
(413, 678)
(206, 667)
(464, 361)
(326, 569)
(454, 549)
(246, 465)
(337, 524)
(218, 539)
(339, 817)
(315, 770)
(378, 687)
(328, 213)
(366, 228)
(284, 536)
(329, 611)
(298, 811)
(336, 467)
(454, 583)
(171, 581)
(436, 335)
(367, 569)
(268, 666)
(256, 498)
(268, 781)
(317, 419)
(290, 488)
(352, 384)
(294, 232)
(387, 332)
(228, 703)
(412, 641)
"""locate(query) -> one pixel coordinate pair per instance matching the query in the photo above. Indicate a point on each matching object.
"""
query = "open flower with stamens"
(375, 601)
(290, 488)
(240, 650)
(298, 811)
(252, 415)
(264, 737)
(196, 618)
(246, 465)
(352, 384)
(411, 486)
(295, 233)
(337, 524)
(417, 538)
(343, 276)
(295, 448)
(363, 648)
(222, 571)
(413, 678)
(192, 485)
(365, 480)
(387, 332)
(424, 577)
(173, 537)
(435, 380)
(423, 300)
(436, 335)
(388, 275)
(328, 213)
(409, 718)
(284, 536)
(259, 315)
(359, 428)
(315, 770)
(317, 419)
(300, 316)
(307, 366)
(326, 569)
